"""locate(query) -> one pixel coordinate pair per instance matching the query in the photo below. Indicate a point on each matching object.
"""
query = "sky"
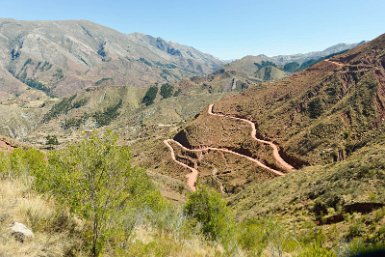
(227, 29)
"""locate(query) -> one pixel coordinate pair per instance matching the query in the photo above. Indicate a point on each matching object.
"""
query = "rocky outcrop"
(20, 232)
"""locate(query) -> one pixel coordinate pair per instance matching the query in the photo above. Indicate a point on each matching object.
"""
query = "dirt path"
(193, 176)
(335, 63)
(280, 161)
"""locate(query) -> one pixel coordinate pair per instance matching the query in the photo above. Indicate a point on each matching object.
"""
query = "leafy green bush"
(252, 236)
(208, 210)
(166, 90)
(150, 95)
(256, 235)
(51, 141)
(23, 162)
(96, 179)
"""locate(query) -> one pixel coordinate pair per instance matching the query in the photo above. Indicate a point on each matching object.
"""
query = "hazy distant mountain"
(263, 67)
(62, 57)
(301, 58)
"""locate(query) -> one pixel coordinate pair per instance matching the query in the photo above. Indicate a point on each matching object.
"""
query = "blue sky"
(227, 29)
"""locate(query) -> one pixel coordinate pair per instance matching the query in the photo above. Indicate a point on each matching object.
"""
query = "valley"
(132, 145)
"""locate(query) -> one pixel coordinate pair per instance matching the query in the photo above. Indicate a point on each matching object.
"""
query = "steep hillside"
(62, 57)
(324, 113)
(327, 122)
(321, 115)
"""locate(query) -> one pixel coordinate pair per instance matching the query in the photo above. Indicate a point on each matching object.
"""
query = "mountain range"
(63, 57)
(296, 138)
(43, 62)
(263, 68)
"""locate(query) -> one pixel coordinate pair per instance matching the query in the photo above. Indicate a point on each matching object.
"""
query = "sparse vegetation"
(105, 117)
(178, 92)
(73, 123)
(59, 74)
(103, 80)
(264, 64)
(63, 107)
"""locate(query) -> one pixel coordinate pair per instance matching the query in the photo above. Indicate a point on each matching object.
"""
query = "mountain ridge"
(263, 67)
(66, 56)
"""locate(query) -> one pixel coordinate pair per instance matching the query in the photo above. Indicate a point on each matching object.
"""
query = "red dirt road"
(193, 176)
(279, 160)
(335, 63)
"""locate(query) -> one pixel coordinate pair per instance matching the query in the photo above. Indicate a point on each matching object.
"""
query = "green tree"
(96, 178)
(166, 90)
(51, 141)
(208, 210)
(315, 108)
(150, 95)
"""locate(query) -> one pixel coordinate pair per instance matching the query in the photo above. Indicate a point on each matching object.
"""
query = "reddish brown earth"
(4, 145)
(346, 92)
(280, 161)
(193, 176)
(351, 91)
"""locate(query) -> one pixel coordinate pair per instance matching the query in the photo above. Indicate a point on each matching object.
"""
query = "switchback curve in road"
(280, 161)
(193, 176)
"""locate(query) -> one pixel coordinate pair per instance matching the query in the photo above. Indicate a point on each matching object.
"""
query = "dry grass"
(148, 242)
(18, 203)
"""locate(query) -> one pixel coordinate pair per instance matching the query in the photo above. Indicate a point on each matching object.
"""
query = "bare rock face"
(20, 232)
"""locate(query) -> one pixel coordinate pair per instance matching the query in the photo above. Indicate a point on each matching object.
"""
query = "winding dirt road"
(281, 162)
(335, 63)
(193, 176)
